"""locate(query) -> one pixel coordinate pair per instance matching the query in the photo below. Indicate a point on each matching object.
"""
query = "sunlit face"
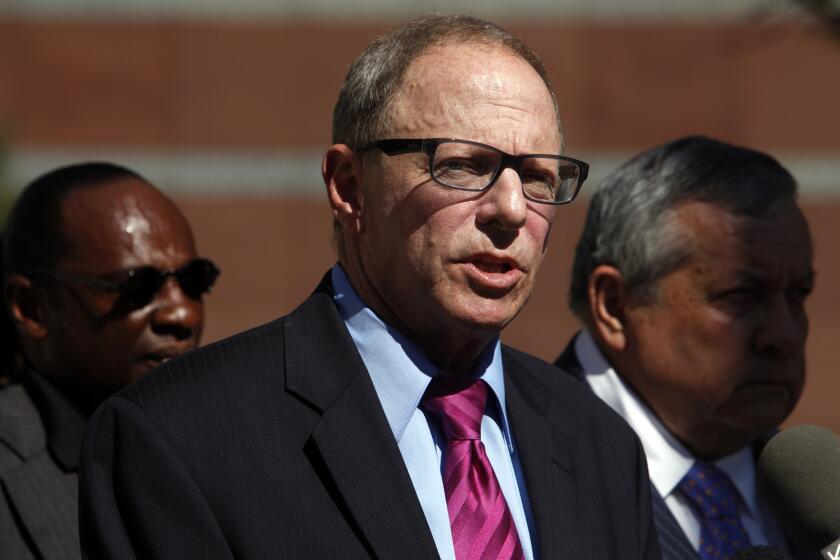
(92, 338)
(719, 354)
(453, 265)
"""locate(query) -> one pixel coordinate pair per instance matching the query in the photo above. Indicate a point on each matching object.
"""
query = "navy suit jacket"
(273, 444)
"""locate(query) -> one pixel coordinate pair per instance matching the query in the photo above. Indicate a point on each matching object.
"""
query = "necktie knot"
(458, 404)
(711, 491)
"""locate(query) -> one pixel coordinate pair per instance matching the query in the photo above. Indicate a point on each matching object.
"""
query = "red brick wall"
(273, 84)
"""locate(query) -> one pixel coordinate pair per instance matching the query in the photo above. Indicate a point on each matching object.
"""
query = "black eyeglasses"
(138, 286)
(472, 166)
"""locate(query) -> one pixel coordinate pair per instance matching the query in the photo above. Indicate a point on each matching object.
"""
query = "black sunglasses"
(139, 286)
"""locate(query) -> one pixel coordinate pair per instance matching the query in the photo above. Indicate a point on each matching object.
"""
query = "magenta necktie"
(482, 526)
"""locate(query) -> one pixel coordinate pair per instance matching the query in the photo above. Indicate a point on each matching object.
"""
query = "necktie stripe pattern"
(715, 499)
(481, 523)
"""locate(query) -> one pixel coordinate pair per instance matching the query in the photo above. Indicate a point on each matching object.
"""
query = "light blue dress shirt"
(400, 372)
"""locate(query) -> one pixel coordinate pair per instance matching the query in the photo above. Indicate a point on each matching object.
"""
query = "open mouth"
(492, 274)
(493, 267)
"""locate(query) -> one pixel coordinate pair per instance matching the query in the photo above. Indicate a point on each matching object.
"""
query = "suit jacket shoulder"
(269, 444)
(575, 399)
(21, 430)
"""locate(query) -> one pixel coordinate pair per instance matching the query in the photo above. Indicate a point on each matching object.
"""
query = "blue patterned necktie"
(715, 499)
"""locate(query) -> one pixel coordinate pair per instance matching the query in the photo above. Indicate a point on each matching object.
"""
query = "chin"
(767, 406)
(140, 370)
(488, 316)
(744, 431)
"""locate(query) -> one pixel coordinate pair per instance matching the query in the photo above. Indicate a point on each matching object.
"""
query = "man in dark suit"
(383, 418)
(690, 278)
(84, 316)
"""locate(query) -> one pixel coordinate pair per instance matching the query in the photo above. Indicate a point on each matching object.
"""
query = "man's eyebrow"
(759, 276)
(751, 275)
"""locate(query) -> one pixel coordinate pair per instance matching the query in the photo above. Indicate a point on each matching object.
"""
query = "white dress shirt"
(668, 459)
(400, 372)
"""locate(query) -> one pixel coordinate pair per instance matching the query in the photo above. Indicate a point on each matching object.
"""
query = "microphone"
(799, 476)
(760, 553)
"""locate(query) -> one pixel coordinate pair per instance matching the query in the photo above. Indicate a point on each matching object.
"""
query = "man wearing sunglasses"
(383, 417)
(102, 284)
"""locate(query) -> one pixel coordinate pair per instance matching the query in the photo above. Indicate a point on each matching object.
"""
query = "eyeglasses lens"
(195, 278)
(141, 285)
(549, 179)
(472, 167)
(465, 166)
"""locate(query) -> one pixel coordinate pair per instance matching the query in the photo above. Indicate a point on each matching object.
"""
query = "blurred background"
(226, 106)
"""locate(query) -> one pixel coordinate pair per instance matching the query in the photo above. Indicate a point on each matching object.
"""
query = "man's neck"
(447, 349)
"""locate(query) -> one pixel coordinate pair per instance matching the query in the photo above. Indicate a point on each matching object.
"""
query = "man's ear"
(607, 304)
(26, 306)
(341, 177)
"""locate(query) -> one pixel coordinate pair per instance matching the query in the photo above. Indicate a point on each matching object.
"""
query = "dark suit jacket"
(675, 545)
(273, 444)
(38, 505)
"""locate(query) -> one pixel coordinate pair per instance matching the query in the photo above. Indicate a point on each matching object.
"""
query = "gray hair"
(628, 223)
(361, 112)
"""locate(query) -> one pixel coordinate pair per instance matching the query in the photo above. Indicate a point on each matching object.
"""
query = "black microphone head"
(760, 553)
(799, 477)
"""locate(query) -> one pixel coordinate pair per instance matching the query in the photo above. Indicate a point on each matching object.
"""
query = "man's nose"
(175, 313)
(504, 204)
(783, 327)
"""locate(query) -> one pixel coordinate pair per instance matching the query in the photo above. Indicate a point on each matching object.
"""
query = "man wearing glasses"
(102, 284)
(383, 418)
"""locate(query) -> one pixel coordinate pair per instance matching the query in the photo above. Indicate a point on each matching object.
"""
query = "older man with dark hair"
(383, 418)
(690, 278)
(101, 285)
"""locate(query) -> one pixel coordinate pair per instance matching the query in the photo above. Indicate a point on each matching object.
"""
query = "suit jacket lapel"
(45, 498)
(358, 450)
(42, 495)
(545, 454)
(674, 543)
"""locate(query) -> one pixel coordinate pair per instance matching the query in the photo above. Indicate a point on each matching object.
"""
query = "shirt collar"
(64, 423)
(668, 459)
(398, 367)
(740, 467)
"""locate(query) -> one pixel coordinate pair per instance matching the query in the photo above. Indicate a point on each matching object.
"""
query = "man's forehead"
(752, 249)
(470, 87)
(470, 69)
(121, 221)
(122, 204)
